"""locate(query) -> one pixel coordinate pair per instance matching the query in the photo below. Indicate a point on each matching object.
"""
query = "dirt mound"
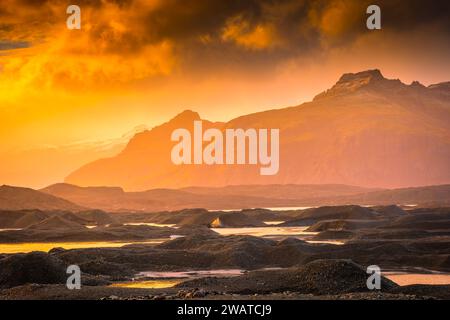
(420, 216)
(35, 267)
(30, 218)
(16, 198)
(97, 217)
(21, 218)
(235, 220)
(26, 218)
(443, 212)
(55, 223)
(334, 235)
(188, 217)
(389, 211)
(421, 225)
(8, 218)
(313, 215)
(319, 277)
(226, 252)
(265, 214)
(397, 234)
(215, 243)
(99, 267)
(334, 225)
(429, 219)
(72, 217)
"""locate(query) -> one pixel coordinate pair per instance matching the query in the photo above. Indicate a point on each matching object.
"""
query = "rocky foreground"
(276, 268)
(321, 279)
(308, 271)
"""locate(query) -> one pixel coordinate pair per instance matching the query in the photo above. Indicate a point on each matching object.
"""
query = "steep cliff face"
(366, 130)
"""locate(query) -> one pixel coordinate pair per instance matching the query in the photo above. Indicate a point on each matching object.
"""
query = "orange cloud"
(106, 51)
(260, 36)
(142, 61)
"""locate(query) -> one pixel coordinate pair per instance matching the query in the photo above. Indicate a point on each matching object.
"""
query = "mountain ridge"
(18, 198)
(366, 130)
(248, 196)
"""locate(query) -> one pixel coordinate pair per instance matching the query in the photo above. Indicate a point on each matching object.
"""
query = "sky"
(141, 62)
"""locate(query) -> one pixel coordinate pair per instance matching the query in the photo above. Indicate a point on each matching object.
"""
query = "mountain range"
(231, 197)
(17, 198)
(65, 197)
(366, 130)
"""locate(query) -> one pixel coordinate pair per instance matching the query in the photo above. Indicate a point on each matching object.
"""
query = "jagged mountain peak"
(142, 139)
(417, 84)
(352, 82)
(363, 76)
(367, 130)
(186, 116)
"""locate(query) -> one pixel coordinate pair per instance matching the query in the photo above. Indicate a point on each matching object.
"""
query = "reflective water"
(272, 232)
(191, 273)
(150, 224)
(271, 209)
(147, 284)
(405, 279)
(44, 246)
(288, 208)
(170, 279)
(276, 233)
(273, 223)
(265, 231)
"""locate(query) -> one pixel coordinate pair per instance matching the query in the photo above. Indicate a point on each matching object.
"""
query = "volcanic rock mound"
(55, 223)
(311, 216)
(320, 277)
(34, 267)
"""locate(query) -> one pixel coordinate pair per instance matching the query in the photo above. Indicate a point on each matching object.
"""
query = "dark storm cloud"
(184, 19)
(205, 32)
(298, 24)
(8, 45)
(404, 15)
(187, 18)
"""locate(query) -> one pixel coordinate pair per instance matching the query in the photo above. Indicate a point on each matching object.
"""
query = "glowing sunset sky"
(143, 61)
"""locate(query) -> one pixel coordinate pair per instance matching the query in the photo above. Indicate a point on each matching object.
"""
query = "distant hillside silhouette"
(17, 198)
(366, 130)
